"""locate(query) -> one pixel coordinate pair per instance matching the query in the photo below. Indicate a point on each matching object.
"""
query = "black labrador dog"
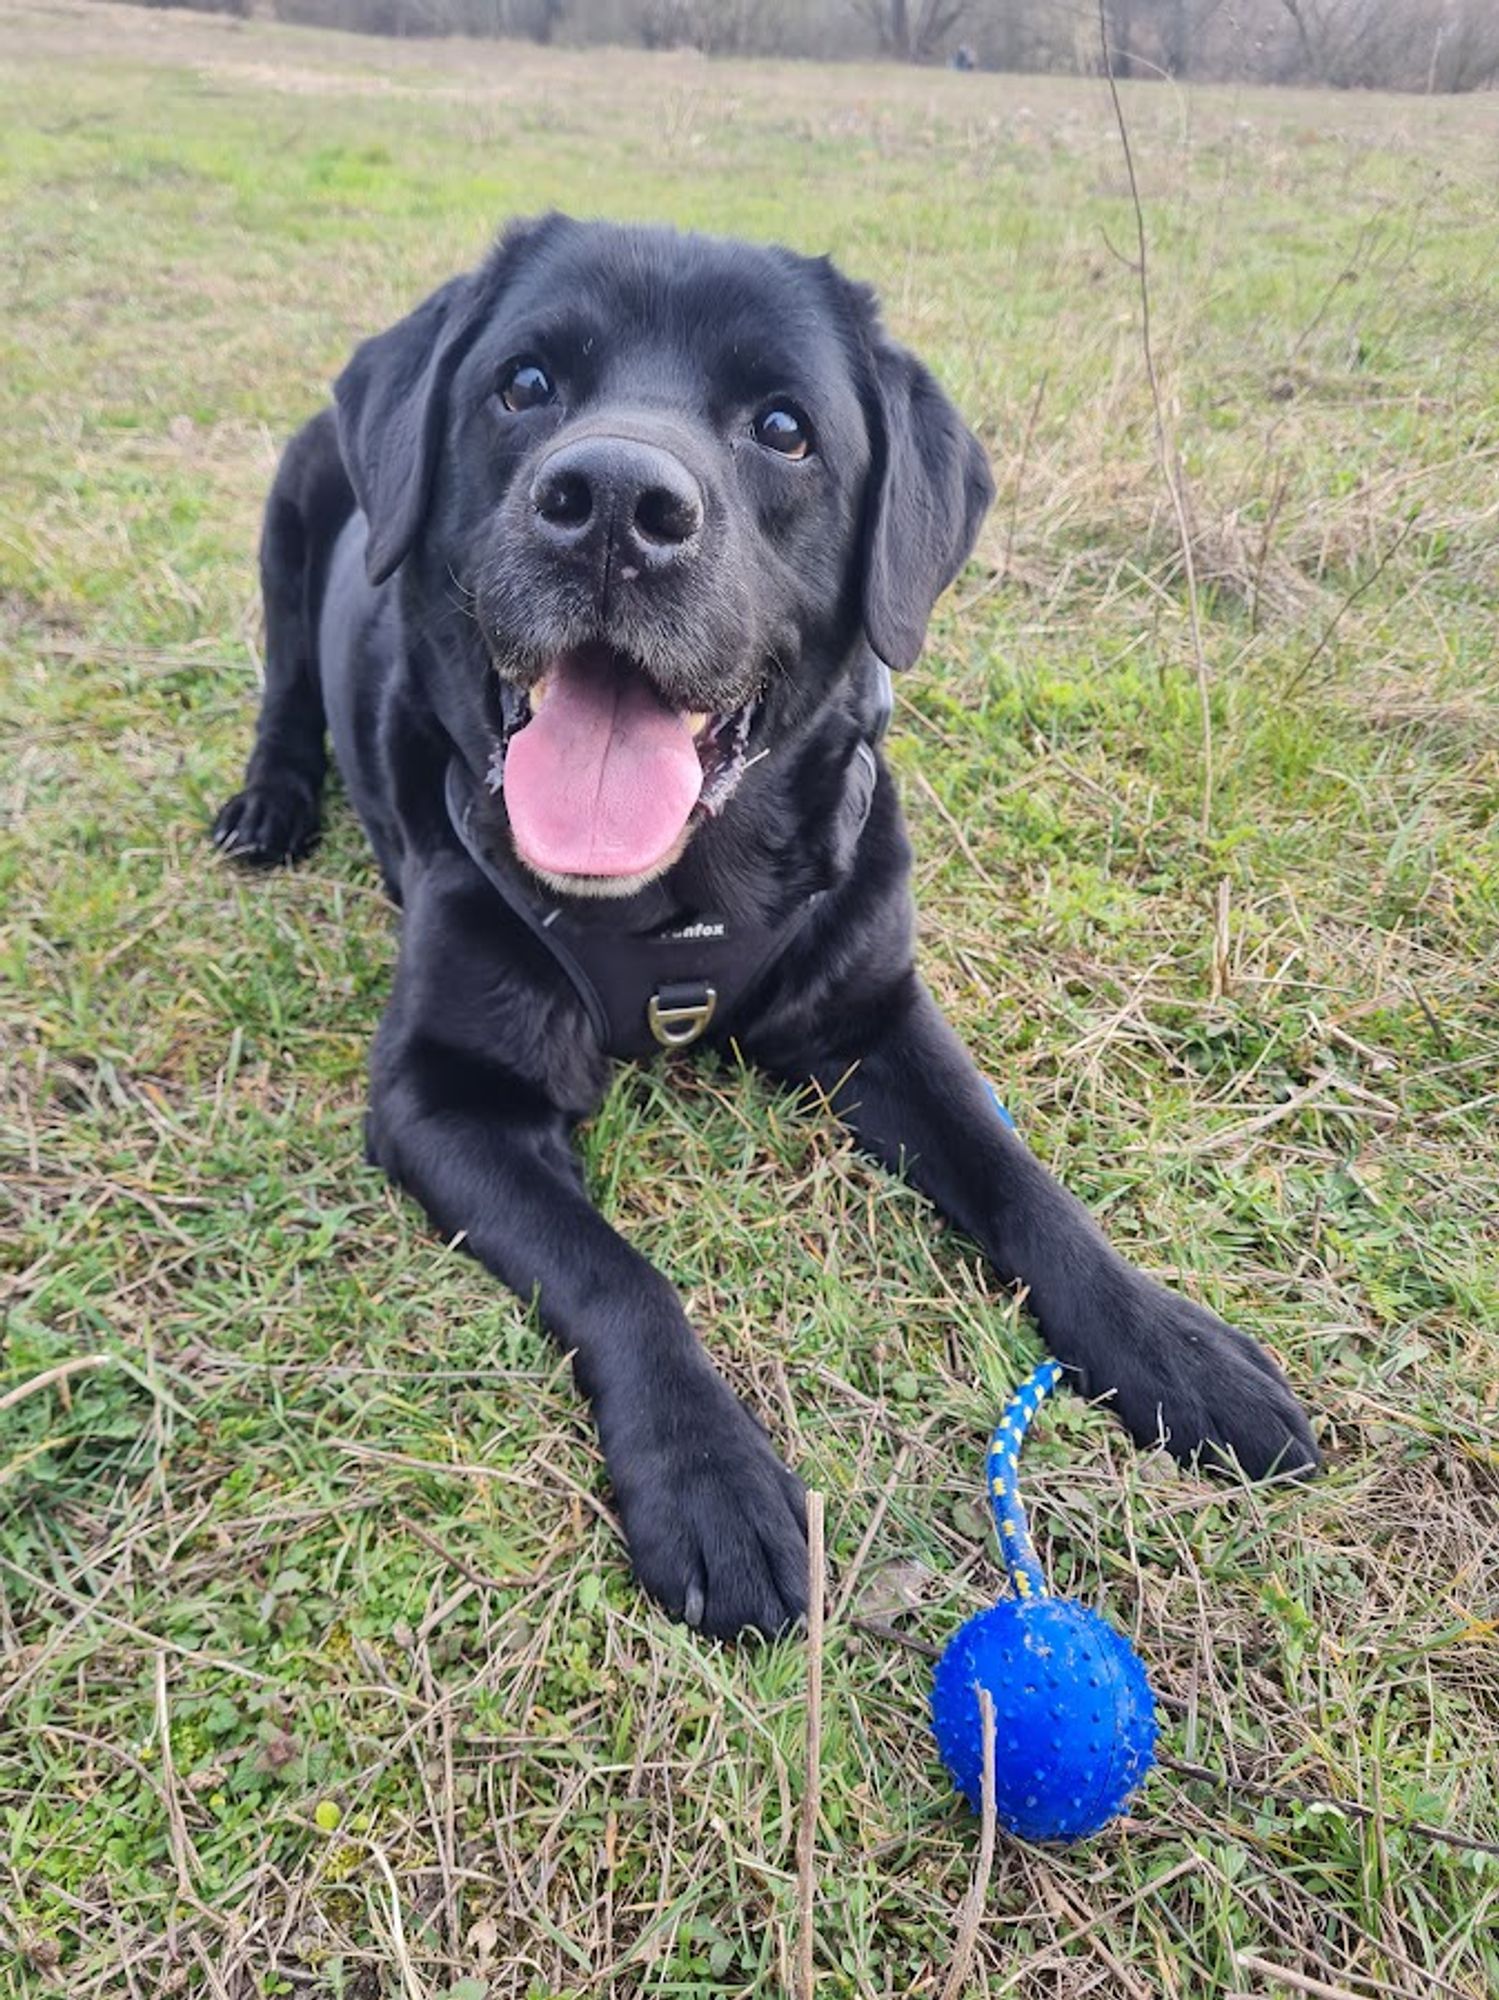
(595, 574)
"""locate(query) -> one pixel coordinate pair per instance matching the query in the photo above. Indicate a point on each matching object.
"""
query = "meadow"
(321, 1667)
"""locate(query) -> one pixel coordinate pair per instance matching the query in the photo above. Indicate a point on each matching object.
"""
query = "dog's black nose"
(635, 495)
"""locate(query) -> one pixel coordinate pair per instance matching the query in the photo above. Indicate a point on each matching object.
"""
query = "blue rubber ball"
(1074, 1719)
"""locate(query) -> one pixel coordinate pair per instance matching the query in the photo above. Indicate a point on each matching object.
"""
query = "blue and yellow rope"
(1027, 1578)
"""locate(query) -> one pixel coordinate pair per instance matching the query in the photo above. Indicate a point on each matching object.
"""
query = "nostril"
(662, 515)
(563, 498)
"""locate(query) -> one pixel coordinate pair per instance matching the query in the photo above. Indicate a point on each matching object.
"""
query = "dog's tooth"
(696, 722)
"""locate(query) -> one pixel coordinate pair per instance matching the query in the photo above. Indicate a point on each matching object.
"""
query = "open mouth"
(603, 779)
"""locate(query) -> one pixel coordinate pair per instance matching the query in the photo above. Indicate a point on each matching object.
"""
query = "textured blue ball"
(1074, 1718)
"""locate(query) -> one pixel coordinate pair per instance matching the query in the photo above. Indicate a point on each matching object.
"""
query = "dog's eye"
(783, 428)
(525, 385)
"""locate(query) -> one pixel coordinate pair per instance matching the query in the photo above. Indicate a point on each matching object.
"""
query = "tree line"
(1423, 45)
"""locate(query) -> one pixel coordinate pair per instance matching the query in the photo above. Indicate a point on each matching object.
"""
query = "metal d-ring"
(678, 1014)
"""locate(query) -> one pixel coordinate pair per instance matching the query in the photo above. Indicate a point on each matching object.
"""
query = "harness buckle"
(678, 1014)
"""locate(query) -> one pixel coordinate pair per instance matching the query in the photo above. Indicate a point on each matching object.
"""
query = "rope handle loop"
(1027, 1579)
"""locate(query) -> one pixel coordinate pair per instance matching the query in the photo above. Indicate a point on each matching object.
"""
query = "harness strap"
(649, 973)
(461, 818)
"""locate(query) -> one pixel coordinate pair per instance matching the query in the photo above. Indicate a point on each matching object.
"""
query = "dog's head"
(679, 482)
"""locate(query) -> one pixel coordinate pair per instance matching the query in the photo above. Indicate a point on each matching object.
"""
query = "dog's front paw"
(1176, 1375)
(268, 824)
(716, 1524)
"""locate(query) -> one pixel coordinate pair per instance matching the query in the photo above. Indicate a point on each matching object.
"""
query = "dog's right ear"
(392, 400)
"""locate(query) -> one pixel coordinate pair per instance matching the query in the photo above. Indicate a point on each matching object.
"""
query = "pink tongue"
(601, 780)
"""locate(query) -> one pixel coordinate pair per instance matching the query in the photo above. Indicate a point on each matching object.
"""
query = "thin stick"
(1298, 1982)
(477, 1577)
(875, 1520)
(1352, 1808)
(806, 1847)
(182, 1847)
(1170, 470)
(1093, 1921)
(972, 1914)
(878, 1629)
(413, 1985)
(957, 833)
(1222, 942)
(1294, 681)
(210, 1972)
(1319, 1086)
(1064, 1903)
(58, 1374)
(85, 1364)
(91, 1609)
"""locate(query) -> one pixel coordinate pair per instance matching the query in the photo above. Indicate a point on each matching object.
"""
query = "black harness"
(650, 972)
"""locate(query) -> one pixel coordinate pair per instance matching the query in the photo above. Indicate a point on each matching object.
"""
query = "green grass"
(332, 1517)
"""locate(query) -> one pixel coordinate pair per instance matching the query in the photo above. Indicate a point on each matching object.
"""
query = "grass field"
(322, 1668)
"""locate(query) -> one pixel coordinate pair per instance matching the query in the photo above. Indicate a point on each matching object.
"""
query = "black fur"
(405, 580)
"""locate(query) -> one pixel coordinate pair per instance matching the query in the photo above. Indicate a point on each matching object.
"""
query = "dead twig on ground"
(806, 1855)
(972, 1913)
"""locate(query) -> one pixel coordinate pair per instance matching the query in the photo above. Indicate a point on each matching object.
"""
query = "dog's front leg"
(462, 1117)
(1173, 1372)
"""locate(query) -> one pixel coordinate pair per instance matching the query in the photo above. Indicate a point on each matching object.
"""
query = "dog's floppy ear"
(392, 399)
(929, 489)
